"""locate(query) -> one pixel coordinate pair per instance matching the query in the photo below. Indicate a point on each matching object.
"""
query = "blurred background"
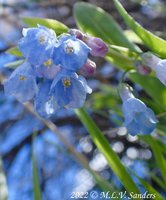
(59, 172)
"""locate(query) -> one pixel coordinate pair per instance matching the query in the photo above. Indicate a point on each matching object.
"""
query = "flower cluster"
(138, 117)
(49, 73)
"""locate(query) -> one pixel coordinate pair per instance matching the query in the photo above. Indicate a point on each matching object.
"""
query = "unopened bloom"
(77, 33)
(139, 119)
(71, 53)
(89, 68)
(37, 45)
(98, 46)
(69, 90)
(22, 83)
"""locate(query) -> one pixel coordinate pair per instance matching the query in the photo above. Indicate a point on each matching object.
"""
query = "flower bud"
(89, 68)
(97, 45)
(77, 33)
(144, 70)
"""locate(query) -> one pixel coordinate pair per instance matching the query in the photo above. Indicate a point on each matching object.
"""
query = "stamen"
(66, 82)
(22, 78)
(47, 63)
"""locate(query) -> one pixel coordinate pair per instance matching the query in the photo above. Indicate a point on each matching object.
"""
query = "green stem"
(105, 148)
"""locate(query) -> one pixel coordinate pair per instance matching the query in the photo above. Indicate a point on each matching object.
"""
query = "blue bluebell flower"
(37, 45)
(139, 119)
(71, 53)
(47, 70)
(22, 83)
(69, 90)
(160, 70)
(156, 64)
(43, 104)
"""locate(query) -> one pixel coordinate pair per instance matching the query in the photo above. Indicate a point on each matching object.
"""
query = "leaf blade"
(57, 26)
(155, 43)
(103, 145)
(88, 18)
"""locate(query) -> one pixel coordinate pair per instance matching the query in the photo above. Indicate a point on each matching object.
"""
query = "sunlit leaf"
(103, 145)
(97, 22)
(57, 26)
(154, 43)
(15, 51)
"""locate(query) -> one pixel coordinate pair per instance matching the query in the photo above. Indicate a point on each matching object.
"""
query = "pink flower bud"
(77, 33)
(144, 70)
(97, 45)
(89, 68)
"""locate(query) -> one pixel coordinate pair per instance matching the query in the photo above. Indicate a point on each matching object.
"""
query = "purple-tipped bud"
(77, 33)
(89, 68)
(144, 70)
(97, 45)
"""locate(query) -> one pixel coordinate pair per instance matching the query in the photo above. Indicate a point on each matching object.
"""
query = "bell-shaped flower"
(43, 104)
(157, 64)
(37, 45)
(71, 53)
(47, 70)
(150, 60)
(161, 71)
(22, 83)
(69, 90)
(139, 119)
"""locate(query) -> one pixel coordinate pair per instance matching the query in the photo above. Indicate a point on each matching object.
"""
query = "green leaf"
(15, 51)
(149, 188)
(14, 64)
(97, 22)
(152, 86)
(57, 26)
(154, 43)
(119, 60)
(105, 148)
(157, 180)
(36, 182)
(158, 154)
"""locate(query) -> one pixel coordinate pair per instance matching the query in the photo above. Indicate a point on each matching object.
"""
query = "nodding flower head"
(37, 45)
(161, 71)
(139, 119)
(150, 60)
(71, 53)
(156, 64)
